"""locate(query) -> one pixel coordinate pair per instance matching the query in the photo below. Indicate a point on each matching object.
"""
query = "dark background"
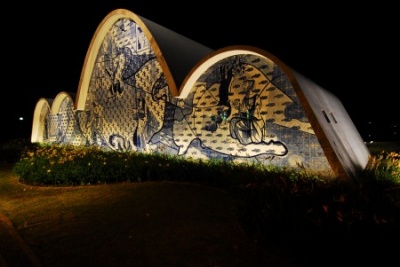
(350, 50)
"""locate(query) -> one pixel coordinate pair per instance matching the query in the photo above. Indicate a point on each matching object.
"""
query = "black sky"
(351, 51)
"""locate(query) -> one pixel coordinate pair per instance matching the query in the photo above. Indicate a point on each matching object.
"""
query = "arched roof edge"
(96, 42)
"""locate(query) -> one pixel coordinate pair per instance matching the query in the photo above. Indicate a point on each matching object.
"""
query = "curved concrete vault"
(146, 88)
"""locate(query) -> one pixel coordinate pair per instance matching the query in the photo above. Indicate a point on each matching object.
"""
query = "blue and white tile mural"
(243, 108)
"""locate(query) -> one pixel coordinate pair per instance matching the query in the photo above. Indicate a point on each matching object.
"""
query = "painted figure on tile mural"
(223, 108)
(96, 122)
(224, 115)
(90, 124)
(246, 125)
(60, 133)
(115, 72)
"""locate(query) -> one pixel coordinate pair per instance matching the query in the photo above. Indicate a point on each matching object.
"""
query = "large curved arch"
(330, 135)
(163, 41)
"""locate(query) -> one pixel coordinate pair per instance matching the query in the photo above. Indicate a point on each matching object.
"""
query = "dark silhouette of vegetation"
(295, 214)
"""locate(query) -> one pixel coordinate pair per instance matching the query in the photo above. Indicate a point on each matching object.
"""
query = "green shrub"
(303, 206)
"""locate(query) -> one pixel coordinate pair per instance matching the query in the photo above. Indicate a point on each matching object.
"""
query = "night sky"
(351, 51)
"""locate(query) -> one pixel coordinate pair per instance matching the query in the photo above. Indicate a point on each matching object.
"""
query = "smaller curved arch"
(58, 100)
(42, 109)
